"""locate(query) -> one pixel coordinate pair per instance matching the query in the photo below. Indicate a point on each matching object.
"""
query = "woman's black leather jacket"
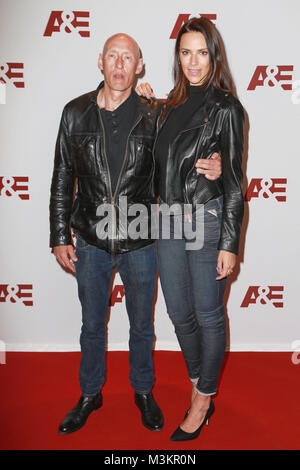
(217, 126)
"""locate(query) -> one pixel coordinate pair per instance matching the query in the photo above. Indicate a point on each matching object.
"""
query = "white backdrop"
(43, 66)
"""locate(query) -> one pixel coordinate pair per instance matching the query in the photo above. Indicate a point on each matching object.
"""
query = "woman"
(201, 116)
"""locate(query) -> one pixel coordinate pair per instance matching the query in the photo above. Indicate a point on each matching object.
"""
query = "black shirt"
(117, 126)
(176, 122)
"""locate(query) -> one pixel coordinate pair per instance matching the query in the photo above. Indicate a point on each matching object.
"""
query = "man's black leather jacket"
(215, 127)
(80, 155)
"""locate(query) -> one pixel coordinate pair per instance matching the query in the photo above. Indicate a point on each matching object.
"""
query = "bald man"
(105, 142)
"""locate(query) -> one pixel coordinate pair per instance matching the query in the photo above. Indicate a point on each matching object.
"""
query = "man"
(105, 142)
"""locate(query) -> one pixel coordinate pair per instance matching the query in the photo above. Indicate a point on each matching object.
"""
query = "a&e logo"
(273, 76)
(12, 73)
(14, 186)
(263, 295)
(267, 188)
(184, 17)
(76, 22)
(16, 293)
(117, 295)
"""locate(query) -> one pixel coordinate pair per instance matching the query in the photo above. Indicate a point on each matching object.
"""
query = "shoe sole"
(151, 429)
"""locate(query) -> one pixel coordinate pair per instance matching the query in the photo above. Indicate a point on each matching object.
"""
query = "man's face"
(120, 62)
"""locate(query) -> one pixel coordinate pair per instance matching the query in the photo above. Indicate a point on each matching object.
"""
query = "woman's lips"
(194, 71)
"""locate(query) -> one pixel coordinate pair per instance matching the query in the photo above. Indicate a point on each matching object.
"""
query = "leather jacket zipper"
(104, 148)
(126, 148)
(153, 156)
(196, 157)
(156, 134)
(185, 130)
(112, 199)
(123, 165)
(195, 160)
(113, 196)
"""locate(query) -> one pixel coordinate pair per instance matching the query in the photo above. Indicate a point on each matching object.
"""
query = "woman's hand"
(144, 89)
(226, 263)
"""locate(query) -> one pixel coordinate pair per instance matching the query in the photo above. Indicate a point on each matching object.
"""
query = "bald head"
(120, 62)
(127, 42)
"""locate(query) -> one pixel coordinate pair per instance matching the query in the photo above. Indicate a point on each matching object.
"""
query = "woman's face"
(194, 57)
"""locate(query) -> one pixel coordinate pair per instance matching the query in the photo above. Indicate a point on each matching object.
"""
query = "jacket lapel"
(200, 117)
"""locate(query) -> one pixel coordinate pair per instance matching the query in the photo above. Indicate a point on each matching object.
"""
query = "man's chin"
(120, 86)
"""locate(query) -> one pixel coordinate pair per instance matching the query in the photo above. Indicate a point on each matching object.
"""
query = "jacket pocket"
(84, 153)
(143, 157)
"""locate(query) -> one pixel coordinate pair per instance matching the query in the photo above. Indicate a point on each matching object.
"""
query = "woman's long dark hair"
(219, 74)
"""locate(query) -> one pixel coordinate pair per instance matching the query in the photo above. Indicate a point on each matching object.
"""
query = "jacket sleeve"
(62, 187)
(232, 138)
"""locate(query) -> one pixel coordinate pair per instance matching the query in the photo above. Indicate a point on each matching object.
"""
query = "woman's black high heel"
(180, 435)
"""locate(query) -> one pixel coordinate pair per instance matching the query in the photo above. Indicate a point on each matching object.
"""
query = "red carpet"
(257, 406)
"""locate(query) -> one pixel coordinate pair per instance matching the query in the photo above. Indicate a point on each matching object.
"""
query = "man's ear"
(100, 62)
(139, 67)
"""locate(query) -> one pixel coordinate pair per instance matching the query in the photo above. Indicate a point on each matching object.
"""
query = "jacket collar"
(143, 107)
(201, 116)
(95, 92)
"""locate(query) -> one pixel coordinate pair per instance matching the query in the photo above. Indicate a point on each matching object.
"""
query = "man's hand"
(65, 255)
(144, 89)
(210, 167)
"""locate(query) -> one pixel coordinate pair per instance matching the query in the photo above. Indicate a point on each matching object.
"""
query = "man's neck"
(112, 99)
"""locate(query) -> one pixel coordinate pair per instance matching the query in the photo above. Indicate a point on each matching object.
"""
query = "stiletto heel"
(180, 435)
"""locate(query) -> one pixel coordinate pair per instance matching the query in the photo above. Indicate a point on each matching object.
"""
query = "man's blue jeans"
(94, 270)
(194, 298)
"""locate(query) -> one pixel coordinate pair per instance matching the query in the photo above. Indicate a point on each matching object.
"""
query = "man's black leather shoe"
(77, 417)
(152, 417)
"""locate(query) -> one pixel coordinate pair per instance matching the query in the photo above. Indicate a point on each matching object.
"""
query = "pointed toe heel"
(180, 435)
